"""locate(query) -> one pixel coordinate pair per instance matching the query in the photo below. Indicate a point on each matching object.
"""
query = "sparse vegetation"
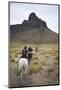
(50, 69)
(12, 60)
(35, 67)
(45, 60)
(35, 58)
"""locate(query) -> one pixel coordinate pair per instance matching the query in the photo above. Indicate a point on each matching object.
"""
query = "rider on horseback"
(24, 52)
(29, 54)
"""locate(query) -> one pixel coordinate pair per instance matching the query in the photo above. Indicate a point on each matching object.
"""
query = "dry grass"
(45, 60)
(35, 67)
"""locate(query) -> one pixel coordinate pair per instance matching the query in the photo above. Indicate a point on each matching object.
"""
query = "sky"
(21, 11)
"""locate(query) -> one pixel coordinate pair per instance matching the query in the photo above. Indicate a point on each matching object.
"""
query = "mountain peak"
(32, 16)
(36, 21)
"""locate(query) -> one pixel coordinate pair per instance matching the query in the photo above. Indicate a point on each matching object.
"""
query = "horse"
(29, 57)
(23, 67)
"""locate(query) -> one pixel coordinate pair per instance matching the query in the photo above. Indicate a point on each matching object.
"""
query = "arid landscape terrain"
(44, 66)
(43, 69)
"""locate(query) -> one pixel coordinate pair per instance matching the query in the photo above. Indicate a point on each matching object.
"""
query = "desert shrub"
(43, 63)
(35, 58)
(42, 52)
(15, 54)
(50, 69)
(36, 63)
(35, 67)
(55, 63)
(19, 53)
(12, 60)
(57, 57)
(52, 53)
(47, 56)
(16, 68)
(33, 54)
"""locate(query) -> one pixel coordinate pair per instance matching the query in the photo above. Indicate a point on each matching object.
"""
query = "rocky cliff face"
(32, 22)
(33, 30)
(35, 21)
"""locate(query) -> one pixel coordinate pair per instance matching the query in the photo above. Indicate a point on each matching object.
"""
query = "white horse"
(23, 67)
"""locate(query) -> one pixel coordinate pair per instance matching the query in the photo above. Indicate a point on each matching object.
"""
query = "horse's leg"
(25, 71)
(21, 75)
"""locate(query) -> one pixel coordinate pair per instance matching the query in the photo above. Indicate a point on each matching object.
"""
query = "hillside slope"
(33, 30)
